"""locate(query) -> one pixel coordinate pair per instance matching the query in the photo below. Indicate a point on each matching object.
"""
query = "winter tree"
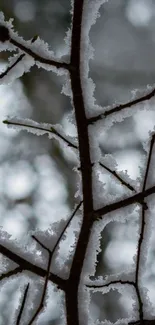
(104, 196)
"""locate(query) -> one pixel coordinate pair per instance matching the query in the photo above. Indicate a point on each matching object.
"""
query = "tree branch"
(41, 305)
(22, 305)
(94, 286)
(25, 265)
(40, 58)
(122, 106)
(3, 74)
(137, 198)
(72, 303)
(51, 130)
(141, 236)
(113, 172)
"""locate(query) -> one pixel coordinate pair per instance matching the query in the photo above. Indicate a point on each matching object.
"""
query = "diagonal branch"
(22, 305)
(148, 162)
(41, 305)
(3, 74)
(51, 252)
(41, 128)
(26, 265)
(141, 236)
(66, 226)
(62, 233)
(113, 172)
(39, 58)
(122, 106)
(137, 198)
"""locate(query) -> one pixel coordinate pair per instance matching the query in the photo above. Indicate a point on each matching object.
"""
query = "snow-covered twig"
(141, 236)
(40, 58)
(41, 305)
(26, 265)
(137, 198)
(113, 172)
(94, 286)
(37, 128)
(22, 305)
(120, 107)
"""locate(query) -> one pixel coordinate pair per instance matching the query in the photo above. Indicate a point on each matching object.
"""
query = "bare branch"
(122, 106)
(23, 304)
(51, 130)
(113, 172)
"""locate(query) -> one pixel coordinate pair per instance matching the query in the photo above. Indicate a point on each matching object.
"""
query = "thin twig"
(51, 252)
(141, 236)
(39, 58)
(3, 74)
(148, 162)
(122, 106)
(41, 305)
(66, 226)
(113, 172)
(51, 130)
(23, 304)
(62, 233)
(94, 286)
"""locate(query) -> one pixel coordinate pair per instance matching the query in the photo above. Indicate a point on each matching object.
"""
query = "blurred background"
(37, 181)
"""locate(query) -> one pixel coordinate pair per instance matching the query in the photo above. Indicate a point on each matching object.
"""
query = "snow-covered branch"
(10, 273)
(39, 129)
(26, 265)
(115, 174)
(22, 304)
(119, 107)
(41, 305)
